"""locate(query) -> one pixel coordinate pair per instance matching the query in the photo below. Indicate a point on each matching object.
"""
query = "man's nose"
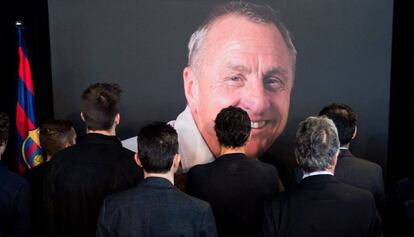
(254, 99)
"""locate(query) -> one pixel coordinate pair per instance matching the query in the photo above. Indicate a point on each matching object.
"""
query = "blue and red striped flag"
(28, 143)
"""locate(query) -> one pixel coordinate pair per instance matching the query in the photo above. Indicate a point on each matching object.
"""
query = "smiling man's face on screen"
(244, 64)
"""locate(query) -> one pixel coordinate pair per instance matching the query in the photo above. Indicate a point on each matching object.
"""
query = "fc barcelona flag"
(28, 144)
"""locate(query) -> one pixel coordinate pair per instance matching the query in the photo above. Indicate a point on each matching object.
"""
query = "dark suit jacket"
(155, 208)
(35, 177)
(322, 206)
(15, 198)
(362, 174)
(81, 176)
(236, 187)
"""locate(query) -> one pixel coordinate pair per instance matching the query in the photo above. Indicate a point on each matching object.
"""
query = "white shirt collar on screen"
(192, 147)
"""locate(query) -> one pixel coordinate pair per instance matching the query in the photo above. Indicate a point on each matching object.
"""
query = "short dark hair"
(4, 128)
(157, 146)
(232, 126)
(55, 134)
(100, 104)
(344, 118)
(316, 143)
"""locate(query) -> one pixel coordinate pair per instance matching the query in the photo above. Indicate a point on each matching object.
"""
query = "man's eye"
(273, 83)
(235, 78)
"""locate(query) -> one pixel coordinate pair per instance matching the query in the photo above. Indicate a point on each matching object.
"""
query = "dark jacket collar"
(345, 153)
(232, 156)
(322, 178)
(101, 139)
(157, 182)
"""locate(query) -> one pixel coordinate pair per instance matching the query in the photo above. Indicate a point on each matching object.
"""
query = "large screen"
(344, 55)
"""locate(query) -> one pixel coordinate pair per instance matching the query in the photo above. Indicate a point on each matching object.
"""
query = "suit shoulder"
(355, 192)
(364, 163)
(353, 165)
(127, 152)
(68, 152)
(122, 198)
(11, 181)
(199, 169)
(194, 202)
(264, 168)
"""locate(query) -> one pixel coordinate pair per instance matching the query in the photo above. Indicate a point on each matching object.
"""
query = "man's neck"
(169, 176)
(345, 146)
(110, 132)
(230, 150)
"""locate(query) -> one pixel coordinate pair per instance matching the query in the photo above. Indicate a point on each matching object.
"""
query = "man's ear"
(137, 160)
(176, 161)
(117, 118)
(335, 159)
(3, 147)
(190, 87)
(82, 116)
(355, 133)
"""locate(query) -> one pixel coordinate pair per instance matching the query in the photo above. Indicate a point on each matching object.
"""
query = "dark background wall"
(344, 56)
(401, 129)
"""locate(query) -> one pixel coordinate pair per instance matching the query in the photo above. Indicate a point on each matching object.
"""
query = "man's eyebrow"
(277, 71)
(282, 73)
(238, 68)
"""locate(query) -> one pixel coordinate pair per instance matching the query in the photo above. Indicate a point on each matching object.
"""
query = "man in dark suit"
(81, 176)
(15, 218)
(155, 207)
(320, 205)
(54, 135)
(350, 169)
(233, 184)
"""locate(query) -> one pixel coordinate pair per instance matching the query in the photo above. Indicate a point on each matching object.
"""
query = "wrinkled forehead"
(226, 31)
(237, 40)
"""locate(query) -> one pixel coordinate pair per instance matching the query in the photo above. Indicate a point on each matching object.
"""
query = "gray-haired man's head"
(317, 144)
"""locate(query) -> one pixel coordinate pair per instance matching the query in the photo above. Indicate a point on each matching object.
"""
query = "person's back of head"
(100, 105)
(157, 148)
(55, 135)
(232, 126)
(344, 118)
(4, 131)
(317, 144)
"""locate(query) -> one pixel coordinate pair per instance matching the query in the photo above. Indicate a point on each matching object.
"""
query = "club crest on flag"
(31, 149)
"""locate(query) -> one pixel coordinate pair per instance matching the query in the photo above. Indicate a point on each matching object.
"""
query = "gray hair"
(253, 12)
(316, 143)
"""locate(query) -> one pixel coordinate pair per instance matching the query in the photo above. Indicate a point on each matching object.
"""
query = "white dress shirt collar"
(317, 173)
